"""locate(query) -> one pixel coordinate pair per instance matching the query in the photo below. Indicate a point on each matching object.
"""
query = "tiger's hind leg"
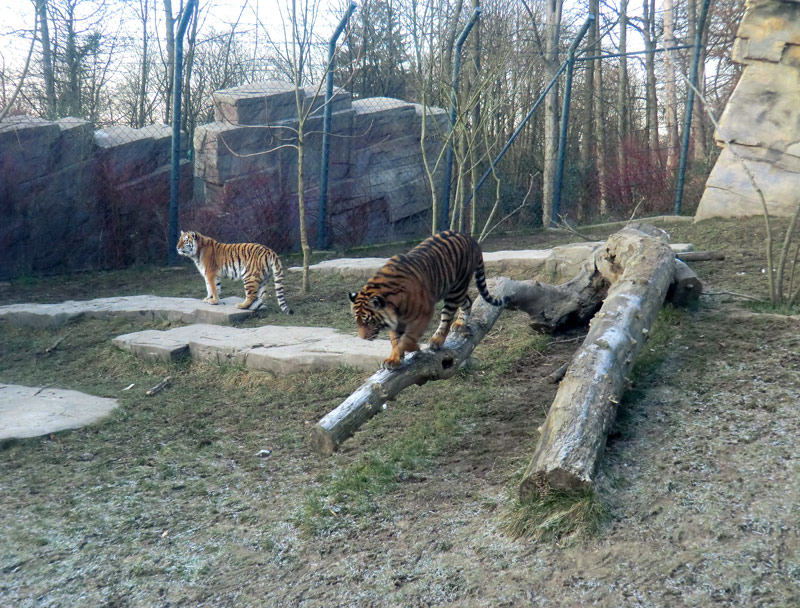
(251, 285)
(462, 321)
(456, 299)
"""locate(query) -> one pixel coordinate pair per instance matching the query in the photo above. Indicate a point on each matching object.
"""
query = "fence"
(368, 179)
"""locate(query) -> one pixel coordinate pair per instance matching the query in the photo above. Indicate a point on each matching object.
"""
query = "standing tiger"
(402, 294)
(250, 262)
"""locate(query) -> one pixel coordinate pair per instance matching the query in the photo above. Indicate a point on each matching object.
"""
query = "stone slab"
(150, 308)
(558, 263)
(270, 347)
(29, 411)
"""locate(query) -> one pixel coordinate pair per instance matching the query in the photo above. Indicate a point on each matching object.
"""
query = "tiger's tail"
(277, 276)
(480, 281)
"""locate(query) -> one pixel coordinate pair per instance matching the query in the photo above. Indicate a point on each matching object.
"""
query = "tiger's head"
(372, 313)
(187, 244)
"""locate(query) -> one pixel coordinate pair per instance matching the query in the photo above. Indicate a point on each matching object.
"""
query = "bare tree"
(671, 103)
(553, 9)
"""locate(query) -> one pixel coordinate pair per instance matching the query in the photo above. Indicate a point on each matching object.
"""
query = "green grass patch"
(555, 517)
(351, 490)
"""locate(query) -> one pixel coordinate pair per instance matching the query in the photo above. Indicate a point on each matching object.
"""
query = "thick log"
(551, 307)
(686, 287)
(640, 269)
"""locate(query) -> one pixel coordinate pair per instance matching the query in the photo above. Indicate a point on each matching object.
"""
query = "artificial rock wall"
(73, 198)
(762, 118)
(246, 166)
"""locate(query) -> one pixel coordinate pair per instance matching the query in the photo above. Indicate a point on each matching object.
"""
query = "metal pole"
(322, 207)
(448, 163)
(562, 140)
(177, 83)
(687, 115)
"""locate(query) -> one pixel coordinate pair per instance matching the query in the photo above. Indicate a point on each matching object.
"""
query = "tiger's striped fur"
(402, 294)
(250, 262)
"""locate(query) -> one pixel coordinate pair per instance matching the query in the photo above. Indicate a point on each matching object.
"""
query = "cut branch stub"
(574, 434)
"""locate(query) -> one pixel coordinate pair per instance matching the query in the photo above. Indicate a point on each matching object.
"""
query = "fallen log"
(640, 269)
(700, 256)
(686, 287)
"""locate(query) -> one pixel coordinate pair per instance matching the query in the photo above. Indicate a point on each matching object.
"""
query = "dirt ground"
(170, 504)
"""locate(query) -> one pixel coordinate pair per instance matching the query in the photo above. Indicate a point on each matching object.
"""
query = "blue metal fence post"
(175, 176)
(448, 163)
(562, 140)
(322, 207)
(687, 117)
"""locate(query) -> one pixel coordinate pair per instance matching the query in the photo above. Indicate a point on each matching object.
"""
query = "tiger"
(402, 294)
(250, 262)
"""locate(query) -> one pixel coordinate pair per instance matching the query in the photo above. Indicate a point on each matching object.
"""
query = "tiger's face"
(187, 244)
(372, 314)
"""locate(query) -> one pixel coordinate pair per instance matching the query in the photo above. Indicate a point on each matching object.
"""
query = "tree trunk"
(550, 160)
(587, 136)
(169, 36)
(651, 99)
(139, 119)
(599, 119)
(640, 269)
(622, 104)
(672, 99)
(47, 61)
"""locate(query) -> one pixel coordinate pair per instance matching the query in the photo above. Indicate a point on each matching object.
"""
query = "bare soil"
(171, 502)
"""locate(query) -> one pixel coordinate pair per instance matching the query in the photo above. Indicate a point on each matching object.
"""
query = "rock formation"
(378, 188)
(762, 118)
(73, 198)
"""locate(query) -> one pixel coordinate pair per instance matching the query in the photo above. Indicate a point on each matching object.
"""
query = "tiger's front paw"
(391, 363)
(211, 300)
(437, 341)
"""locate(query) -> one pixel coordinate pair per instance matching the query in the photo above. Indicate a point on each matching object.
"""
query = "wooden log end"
(322, 442)
(537, 484)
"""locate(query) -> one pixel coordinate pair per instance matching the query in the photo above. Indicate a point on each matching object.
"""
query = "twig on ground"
(744, 296)
(158, 387)
(55, 344)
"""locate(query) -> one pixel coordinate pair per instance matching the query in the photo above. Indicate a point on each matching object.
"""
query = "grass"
(557, 516)
(168, 500)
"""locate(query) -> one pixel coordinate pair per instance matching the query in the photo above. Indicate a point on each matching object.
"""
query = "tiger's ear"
(352, 295)
(377, 302)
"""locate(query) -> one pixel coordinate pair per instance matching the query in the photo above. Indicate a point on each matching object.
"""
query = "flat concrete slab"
(553, 265)
(270, 347)
(28, 411)
(150, 308)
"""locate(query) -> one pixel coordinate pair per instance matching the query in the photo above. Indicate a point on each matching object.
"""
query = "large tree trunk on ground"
(640, 269)
(551, 307)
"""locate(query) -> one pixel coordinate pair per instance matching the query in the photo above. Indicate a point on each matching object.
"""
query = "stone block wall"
(762, 118)
(378, 190)
(72, 198)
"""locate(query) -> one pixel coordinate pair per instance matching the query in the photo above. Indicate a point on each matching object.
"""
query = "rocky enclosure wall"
(246, 165)
(762, 118)
(73, 198)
